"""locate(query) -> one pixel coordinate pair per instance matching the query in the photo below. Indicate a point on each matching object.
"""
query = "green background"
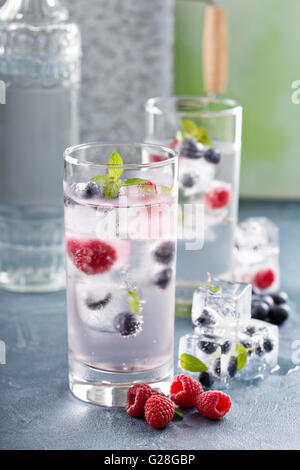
(264, 60)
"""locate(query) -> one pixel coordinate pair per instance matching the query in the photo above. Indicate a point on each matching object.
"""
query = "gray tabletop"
(38, 412)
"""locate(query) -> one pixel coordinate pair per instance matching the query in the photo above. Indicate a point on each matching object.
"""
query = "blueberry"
(248, 345)
(217, 367)
(205, 319)
(232, 366)
(280, 298)
(267, 299)
(279, 314)
(163, 278)
(268, 344)
(208, 346)
(259, 350)
(260, 311)
(225, 347)
(212, 156)
(188, 181)
(206, 379)
(189, 149)
(165, 252)
(96, 305)
(88, 190)
(68, 202)
(250, 330)
(127, 324)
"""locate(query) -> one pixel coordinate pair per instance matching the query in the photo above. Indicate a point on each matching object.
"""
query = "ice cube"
(256, 254)
(195, 176)
(221, 304)
(247, 354)
(216, 202)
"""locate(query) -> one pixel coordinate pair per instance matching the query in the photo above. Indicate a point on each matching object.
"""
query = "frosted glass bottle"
(40, 57)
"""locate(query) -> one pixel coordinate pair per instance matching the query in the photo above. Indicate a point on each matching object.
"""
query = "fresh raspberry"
(184, 390)
(91, 256)
(264, 278)
(159, 411)
(217, 198)
(137, 396)
(213, 404)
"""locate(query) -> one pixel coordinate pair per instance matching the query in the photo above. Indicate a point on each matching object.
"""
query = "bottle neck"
(33, 11)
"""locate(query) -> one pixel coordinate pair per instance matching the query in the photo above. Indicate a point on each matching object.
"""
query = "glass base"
(110, 388)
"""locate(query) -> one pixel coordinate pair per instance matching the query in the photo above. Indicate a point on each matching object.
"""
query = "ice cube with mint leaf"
(221, 304)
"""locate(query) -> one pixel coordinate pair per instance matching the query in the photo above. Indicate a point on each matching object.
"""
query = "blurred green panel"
(264, 61)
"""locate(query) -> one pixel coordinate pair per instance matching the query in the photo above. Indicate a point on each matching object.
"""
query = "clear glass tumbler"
(120, 227)
(206, 131)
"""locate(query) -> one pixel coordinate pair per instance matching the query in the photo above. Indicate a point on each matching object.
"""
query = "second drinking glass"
(120, 224)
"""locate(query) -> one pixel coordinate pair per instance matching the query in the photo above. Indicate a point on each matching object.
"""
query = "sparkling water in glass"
(120, 227)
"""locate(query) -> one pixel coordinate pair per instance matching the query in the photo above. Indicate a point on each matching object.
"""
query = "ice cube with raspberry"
(256, 254)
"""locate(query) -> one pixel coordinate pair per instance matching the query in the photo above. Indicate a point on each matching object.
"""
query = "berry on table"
(127, 324)
(165, 252)
(213, 404)
(137, 396)
(260, 311)
(264, 278)
(280, 298)
(163, 278)
(91, 256)
(159, 411)
(212, 156)
(206, 379)
(217, 198)
(184, 389)
(189, 149)
(267, 299)
(279, 314)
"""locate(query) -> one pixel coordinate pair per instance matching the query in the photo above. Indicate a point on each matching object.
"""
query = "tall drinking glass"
(120, 227)
(206, 131)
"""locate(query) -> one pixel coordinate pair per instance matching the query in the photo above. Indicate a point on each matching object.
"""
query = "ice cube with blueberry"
(221, 304)
(256, 254)
(247, 354)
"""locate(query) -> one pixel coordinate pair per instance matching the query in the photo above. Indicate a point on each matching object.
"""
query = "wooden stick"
(215, 50)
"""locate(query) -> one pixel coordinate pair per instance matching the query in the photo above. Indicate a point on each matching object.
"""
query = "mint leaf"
(242, 355)
(213, 289)
(188, 126)
(115, 160)
(134, 181)
(112, 189)
(192, 364)
(101, 180)
(134, 301)
(178, 415)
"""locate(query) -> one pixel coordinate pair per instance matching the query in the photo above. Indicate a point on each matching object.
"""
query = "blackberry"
(212, 156)
(97, 305)
(189, 149)
(205, 319)
(127, 324)
(206, 379)
(232, 366)
(163, 278)
(208, 347)
(225, 347)
(165, 252)
(279, 314)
